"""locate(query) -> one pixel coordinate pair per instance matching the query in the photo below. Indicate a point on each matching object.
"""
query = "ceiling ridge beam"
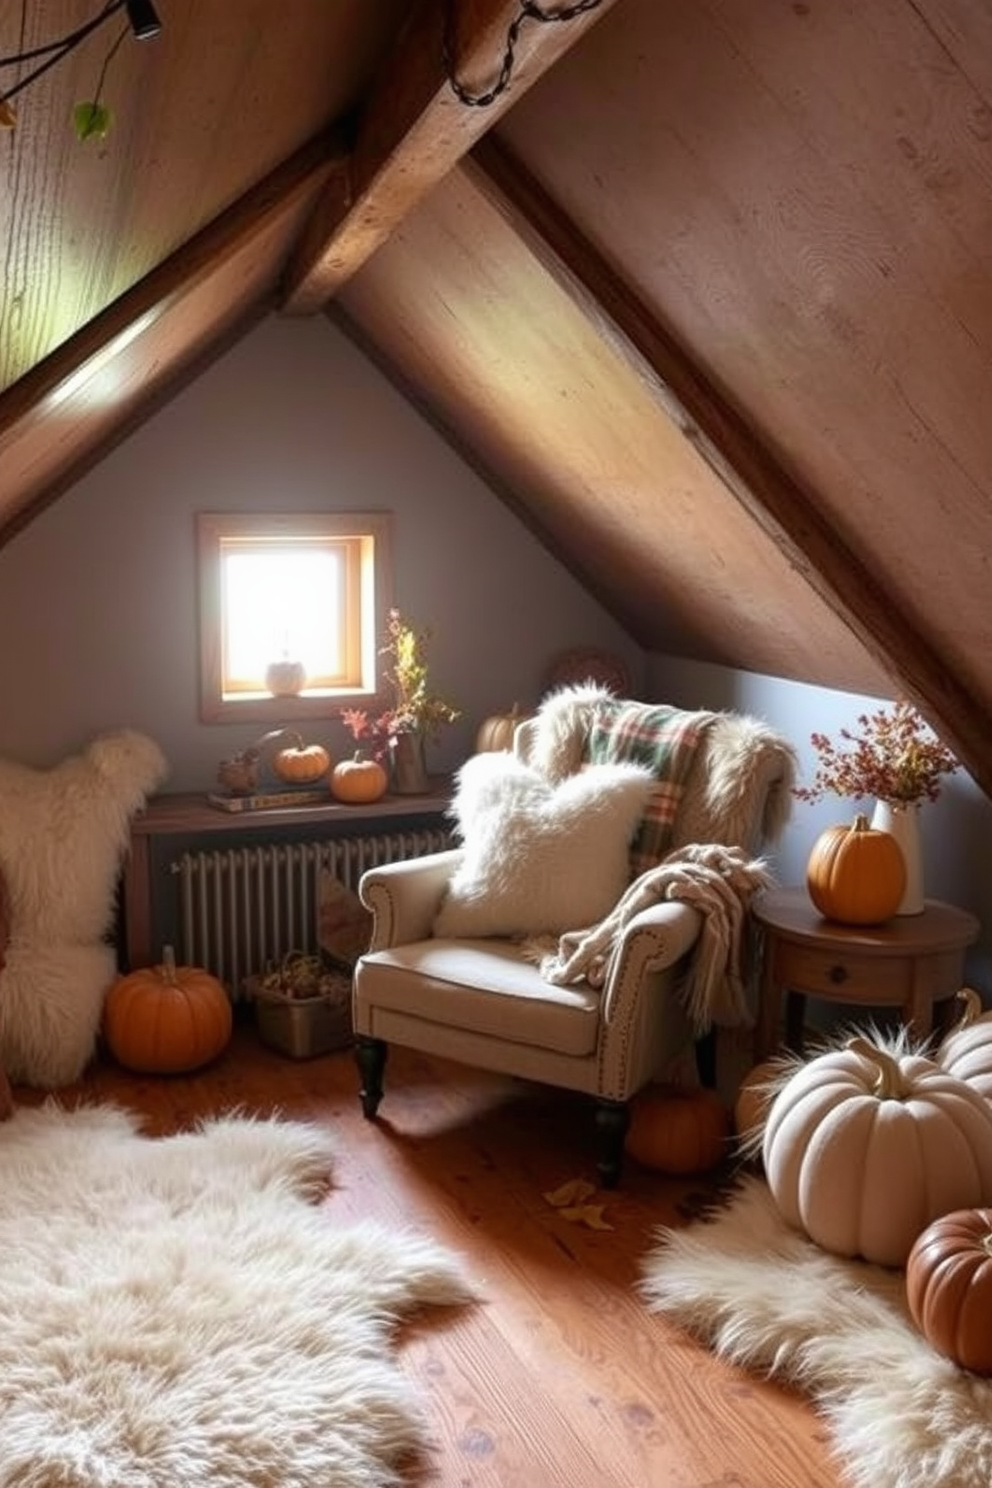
(414, 129)
(772, 497)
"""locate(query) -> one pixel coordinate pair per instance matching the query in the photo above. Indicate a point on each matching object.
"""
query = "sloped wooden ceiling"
(462, 306)
(790, 205)
(127, 261)
(709, 300)
(242, 136)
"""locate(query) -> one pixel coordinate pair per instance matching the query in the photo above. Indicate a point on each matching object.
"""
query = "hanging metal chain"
(528, 12)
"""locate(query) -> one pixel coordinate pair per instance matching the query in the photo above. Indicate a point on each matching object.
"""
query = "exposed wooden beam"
(172, 281)
(775, 500)
(413, 129)
(58, 419)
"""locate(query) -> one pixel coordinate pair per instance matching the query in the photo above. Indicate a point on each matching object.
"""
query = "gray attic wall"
(957, 828)
(98, 595)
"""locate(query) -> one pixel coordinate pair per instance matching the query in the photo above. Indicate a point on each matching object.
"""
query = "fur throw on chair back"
(738, 790)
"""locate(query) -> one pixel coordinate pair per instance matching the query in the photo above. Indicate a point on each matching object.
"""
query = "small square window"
(291, 608)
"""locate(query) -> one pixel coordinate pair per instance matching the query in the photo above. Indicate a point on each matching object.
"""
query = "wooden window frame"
(366, 539)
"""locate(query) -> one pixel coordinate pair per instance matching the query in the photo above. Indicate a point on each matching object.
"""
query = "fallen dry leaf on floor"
(569, 1199)
(575, 1191)
(591, 1215)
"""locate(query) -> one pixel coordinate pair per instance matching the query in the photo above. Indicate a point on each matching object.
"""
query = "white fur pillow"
(540, 857)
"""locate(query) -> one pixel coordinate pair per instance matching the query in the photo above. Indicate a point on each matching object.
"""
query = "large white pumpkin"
(863, 1148)
(967, 1050)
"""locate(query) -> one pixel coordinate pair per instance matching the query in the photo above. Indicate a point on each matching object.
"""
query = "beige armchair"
(484, 1001)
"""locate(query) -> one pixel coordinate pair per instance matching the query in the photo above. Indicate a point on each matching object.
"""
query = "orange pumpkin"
(856, 875)
(167, 1019)
(358, 781)
(301, 764)
(677, 1130)
(949, 1286)
(752, 1102)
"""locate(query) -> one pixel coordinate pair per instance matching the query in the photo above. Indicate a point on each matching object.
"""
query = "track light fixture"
(144, 19)
(91, 118)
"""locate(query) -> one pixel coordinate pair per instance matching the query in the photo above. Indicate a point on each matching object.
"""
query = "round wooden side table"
(909, 962)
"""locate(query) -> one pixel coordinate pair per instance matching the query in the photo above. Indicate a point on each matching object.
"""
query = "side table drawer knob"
(838, 974)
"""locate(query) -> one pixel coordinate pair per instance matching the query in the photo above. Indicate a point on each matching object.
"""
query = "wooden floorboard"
(558, 1377)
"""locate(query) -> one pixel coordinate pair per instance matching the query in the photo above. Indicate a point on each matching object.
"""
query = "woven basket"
(303, 1027)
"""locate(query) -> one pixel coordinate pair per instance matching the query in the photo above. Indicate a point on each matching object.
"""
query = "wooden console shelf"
(174, 821)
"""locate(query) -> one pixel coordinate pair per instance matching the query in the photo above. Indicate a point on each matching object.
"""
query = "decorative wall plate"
(588, 664)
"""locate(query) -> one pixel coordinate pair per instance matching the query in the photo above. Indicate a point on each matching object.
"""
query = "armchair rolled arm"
(653, 941)
(405, 897)
(644, 1025)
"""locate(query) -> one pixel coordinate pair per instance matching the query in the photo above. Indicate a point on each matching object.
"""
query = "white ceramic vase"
(902, 821)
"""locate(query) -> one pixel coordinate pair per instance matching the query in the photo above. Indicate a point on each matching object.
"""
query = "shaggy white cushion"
(539, 857)
(63, 833)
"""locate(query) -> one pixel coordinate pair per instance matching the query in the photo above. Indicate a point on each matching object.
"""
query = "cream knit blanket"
(717, 881)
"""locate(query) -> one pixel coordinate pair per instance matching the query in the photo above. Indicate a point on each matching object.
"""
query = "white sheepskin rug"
(63, 836)
(763, 1296)
(181, 1311)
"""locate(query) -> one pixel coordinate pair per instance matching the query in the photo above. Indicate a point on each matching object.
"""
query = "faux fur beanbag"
(63, 833)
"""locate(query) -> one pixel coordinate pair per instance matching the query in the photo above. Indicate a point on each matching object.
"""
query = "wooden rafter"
(772, 497)
(413, 129)
(49, 434)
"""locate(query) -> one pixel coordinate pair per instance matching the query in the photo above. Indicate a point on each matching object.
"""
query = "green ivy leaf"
(92, 120)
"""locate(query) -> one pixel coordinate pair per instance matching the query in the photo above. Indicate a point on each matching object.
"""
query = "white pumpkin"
(967, 1050)
(864, 1148)
(496, 733)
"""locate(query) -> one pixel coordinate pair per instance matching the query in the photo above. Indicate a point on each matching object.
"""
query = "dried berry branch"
(895, 757)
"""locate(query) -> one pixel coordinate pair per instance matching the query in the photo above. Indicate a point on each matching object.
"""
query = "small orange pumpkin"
(753, 1101)
(167, 1019)
(301, 764)
(949, 1286)
(358, 781)
(856, 875)
(679, 1130)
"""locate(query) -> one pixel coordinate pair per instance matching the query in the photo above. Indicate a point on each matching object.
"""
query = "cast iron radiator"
(241, 910)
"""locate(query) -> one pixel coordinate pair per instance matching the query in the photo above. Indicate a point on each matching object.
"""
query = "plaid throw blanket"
(665, 740)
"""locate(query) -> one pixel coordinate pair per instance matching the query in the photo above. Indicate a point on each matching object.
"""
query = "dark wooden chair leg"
(706, 1058)
(612, 1121)
(370, 1054)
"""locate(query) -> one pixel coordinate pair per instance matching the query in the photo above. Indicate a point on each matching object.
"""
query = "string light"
(529, 11)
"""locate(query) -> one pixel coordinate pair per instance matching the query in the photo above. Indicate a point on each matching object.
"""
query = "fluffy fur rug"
(763, 1296)
(182, 1311)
